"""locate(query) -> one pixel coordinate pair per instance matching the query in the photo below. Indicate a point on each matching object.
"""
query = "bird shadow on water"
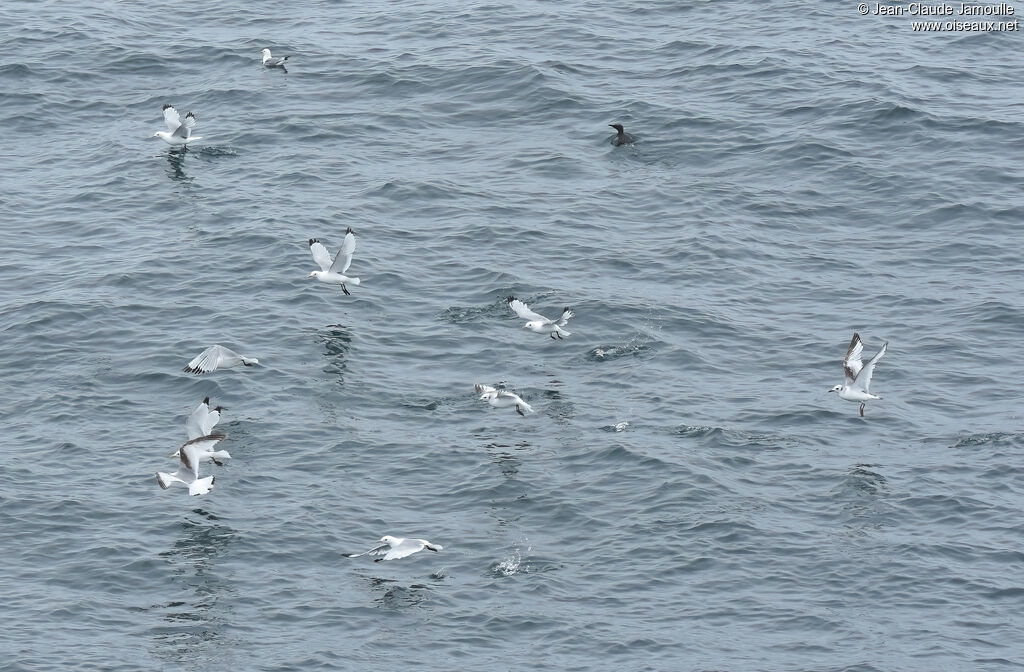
(176, 166)
(337, 341)
(392, 594)
(193, 619)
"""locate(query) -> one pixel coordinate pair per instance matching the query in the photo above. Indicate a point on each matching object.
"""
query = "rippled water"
(687, 496)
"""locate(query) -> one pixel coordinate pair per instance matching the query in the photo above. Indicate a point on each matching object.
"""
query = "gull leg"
(559, 336)
(552, 335)
(377, 559)
(520, 411)
(345, 289)
(217, 462)
(862, 409)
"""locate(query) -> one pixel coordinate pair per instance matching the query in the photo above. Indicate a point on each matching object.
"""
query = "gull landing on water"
(502, 398)
(393, 548)
(191, 454)
(333, 272)
(178, 132)
(539, 324)
(858, 376)
(271, 62)
(218, 357)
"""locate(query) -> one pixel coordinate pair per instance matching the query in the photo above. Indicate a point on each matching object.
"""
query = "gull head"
(266, 52)
(837, 388)
(388, 539)
(536, 325)
(314, 274)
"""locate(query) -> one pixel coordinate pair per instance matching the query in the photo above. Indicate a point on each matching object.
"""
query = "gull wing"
(196, 423)
(523, 310)
(344, 258)
(566, 314)
(485, 389)
(211, 358)
(376, 550)
(320, 254)
(171, 118)
(851, 363)
(405, 549)
(191, 451)
(863, 380)
(185, 129)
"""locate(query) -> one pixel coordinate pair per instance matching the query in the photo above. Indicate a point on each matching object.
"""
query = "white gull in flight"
(271, 62)
(191, 454)
(858, 376)
(393, 548)
(178, 132)
(333, 272)
(218, 357)
(537, 323)
(502, 398)
(201, 423)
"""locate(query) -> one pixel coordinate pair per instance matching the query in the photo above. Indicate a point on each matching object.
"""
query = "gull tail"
(354, 281)
(201, 486)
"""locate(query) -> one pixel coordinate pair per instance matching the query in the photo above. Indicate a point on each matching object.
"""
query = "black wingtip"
(510, 299)
(166, 106)
(349, 230)
(206, 400)
(313, 240)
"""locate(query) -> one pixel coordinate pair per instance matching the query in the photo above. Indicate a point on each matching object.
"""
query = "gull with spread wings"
(536, 322)
(858, 375)
(333, 271)
(178, 132)
(393, 548)
(191, 454)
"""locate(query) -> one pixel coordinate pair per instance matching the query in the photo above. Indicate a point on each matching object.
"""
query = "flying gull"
(178, 132)
(201, 423)
(333, 272)
(218, 357)
(191, 454)
(858, 376)
(539, 324)
(271, 62)
(502, 398)
(622, 138)
(393, 548)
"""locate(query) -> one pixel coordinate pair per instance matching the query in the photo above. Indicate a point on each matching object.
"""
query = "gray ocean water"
(687, 495)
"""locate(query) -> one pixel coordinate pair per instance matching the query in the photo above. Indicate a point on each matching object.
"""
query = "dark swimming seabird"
(622, 138)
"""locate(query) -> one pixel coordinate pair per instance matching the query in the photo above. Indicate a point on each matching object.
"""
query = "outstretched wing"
(197, 420)
(320, 254)
(863, 380)
(376, 550)
(523, 310)
(851, 363)
(344, 258)
(405, 549)
(185, 129)
(485, 389)
(171, 118)
(566, 314)
(191, 451)
(212, 358)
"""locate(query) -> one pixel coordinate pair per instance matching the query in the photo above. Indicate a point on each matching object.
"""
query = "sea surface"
(687, 495)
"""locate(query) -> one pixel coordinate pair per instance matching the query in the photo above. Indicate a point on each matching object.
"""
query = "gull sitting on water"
(333, 272)
(178, 132)
(858, 376)
(502, 398)
(271, 62)
(393, 548)
(218, 357)
(191, 454)
(539, 324)
(201, 423)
